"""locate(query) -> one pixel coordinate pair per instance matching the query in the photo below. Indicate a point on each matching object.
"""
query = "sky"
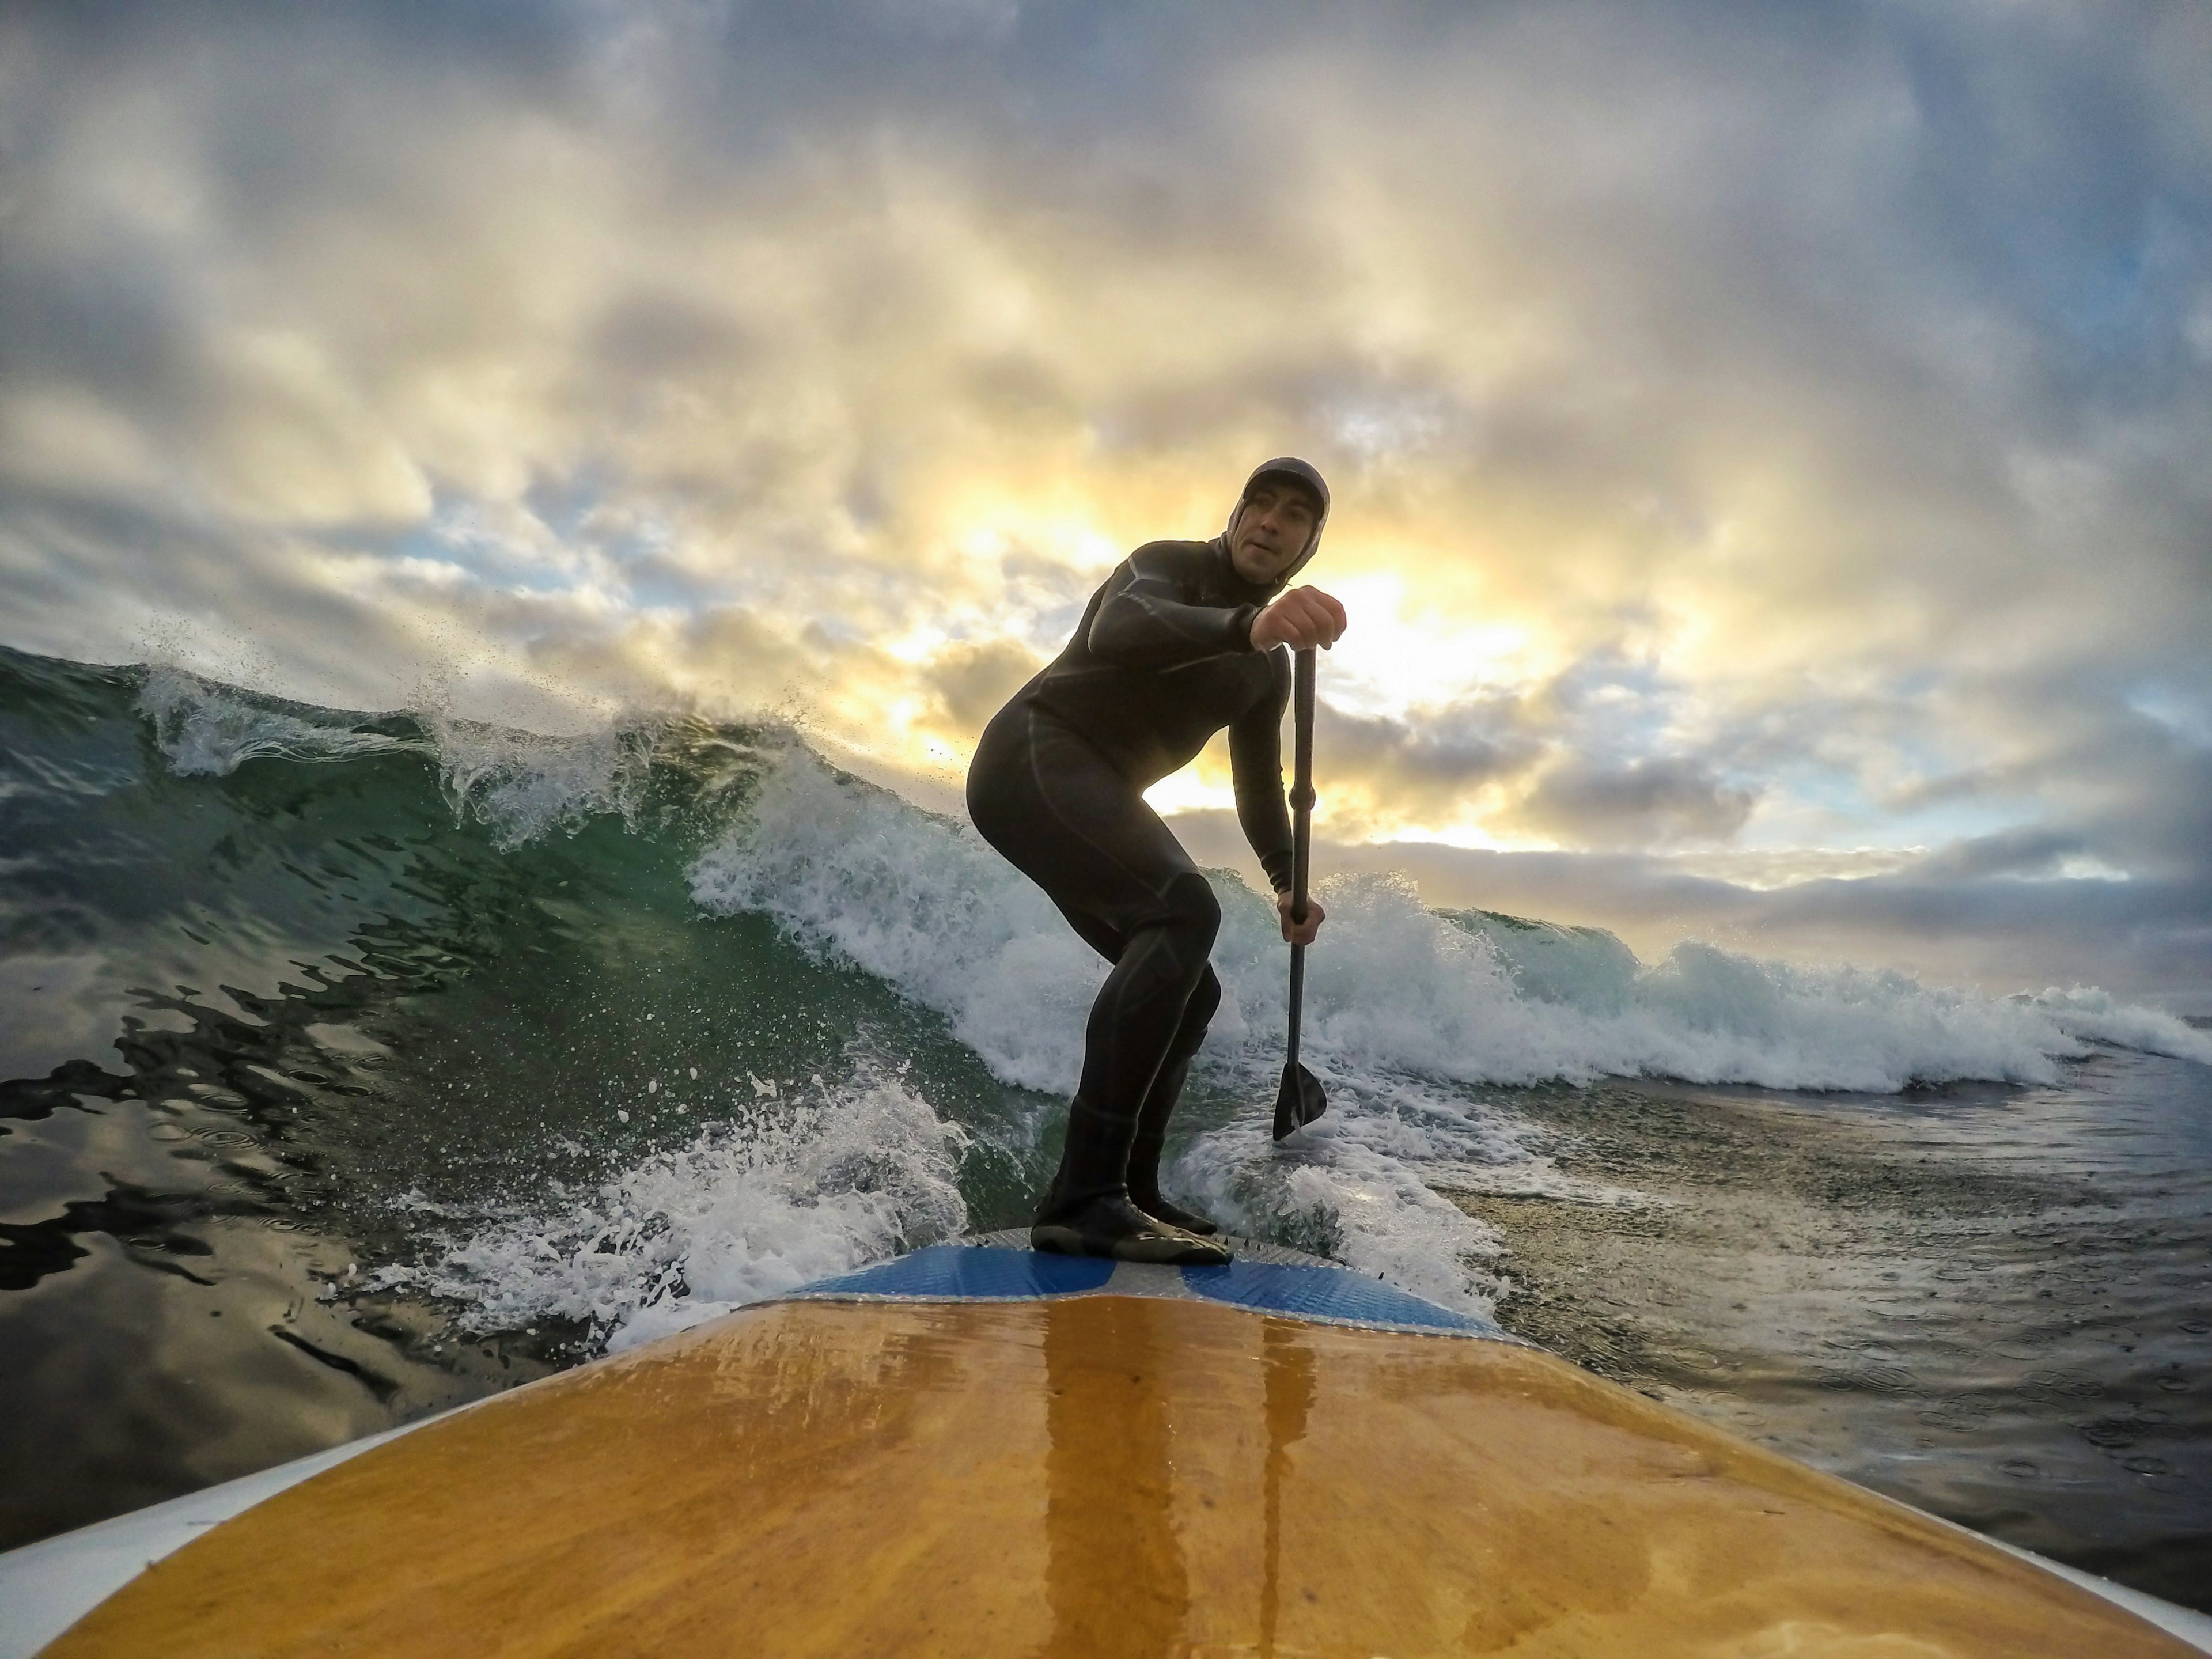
(1768, 442)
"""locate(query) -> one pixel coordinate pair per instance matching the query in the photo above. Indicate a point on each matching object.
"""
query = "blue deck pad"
(1329, 1296)
(960, 1272)
(1317, 1293)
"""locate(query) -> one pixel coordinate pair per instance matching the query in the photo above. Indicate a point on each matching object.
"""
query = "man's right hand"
(1299, 933)
(1302, 618)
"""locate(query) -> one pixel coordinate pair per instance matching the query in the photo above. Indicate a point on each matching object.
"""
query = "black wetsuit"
(1162, 660)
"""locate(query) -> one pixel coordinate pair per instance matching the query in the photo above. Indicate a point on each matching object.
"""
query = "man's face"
(1272, 529)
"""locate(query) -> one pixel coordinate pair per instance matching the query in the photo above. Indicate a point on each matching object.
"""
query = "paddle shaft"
(1302, 806)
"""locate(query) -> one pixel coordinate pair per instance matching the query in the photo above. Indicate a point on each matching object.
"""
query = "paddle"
(1300, 1100)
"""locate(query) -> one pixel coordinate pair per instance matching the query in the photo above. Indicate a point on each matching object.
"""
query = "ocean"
(359, 1065)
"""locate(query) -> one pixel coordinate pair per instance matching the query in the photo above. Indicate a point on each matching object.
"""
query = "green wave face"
(374, 983)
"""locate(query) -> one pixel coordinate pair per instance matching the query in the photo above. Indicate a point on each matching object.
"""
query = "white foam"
(2090, 1014)
(817, 1181)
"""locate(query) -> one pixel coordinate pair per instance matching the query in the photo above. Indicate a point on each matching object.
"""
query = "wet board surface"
(982, 1451)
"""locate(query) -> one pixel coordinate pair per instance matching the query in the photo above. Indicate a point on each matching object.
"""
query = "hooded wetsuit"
(1162, 660)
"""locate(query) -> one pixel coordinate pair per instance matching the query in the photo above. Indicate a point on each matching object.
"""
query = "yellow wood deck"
(1099, 1475)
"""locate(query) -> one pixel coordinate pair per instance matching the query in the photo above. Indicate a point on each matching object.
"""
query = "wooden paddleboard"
(977, 1450)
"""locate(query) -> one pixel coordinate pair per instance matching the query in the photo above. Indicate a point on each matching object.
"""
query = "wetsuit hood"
(1306, 477)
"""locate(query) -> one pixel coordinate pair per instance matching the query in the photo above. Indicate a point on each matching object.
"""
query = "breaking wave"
(1396, 990)
(787, 876)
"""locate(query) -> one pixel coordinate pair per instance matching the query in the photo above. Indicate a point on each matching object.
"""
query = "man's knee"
(1193, 912)
(1198, 1012)
(1205, 997)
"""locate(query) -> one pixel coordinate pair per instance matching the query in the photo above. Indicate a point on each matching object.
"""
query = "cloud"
(1652, 800)
(2025, 854)
(1431, 764)
(972, 682)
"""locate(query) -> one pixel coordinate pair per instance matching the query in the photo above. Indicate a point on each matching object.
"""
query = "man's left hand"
(1299, 933)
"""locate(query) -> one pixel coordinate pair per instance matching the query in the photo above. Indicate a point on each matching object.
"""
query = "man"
(1183, 639)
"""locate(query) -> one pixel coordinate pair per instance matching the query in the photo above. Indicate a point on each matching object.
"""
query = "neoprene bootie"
(1152, 1139)
(1108, 1226)
(1174, 1214)
(1144, 1193)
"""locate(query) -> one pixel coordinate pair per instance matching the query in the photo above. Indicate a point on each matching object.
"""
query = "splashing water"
(745, 1211)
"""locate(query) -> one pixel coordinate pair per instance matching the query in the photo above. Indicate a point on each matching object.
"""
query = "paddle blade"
(1299, 1101)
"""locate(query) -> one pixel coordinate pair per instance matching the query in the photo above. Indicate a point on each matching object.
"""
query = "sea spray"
(526, 785)
(807, 1187)
(1337, 1194)
(2091, 1015)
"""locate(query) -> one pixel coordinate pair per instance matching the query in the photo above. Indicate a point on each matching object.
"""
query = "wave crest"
(852, 871)
(208, 729)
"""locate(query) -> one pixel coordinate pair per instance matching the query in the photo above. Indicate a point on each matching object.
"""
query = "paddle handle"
(1302, 806)
(1302, 789)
